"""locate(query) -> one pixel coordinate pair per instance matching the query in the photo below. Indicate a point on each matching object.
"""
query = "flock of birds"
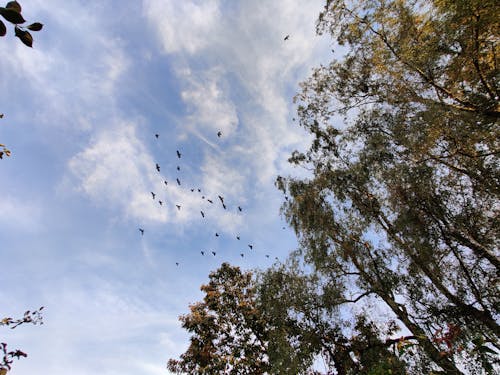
(211, 201)
(220, 200)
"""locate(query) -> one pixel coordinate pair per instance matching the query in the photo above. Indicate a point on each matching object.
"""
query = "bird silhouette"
(238, 238)
(166, 183)
(178, 154)
(157, 167)
(142, 231)
(178, 181)
(178, 168)
(219, 133)
(161, 203)
(239, 209)
(213, 252)
(178, 207)
(250, 246)
(157, 135)
(241, 255)
(223, 205)
(267, 255)
(210, 201)
(192, 190)
(199, 190)
(202, 197)
(153, 194)
(202, 214)
(216, 234)
(202, 252)
(221, 199)
(176, 263)
(287, 37)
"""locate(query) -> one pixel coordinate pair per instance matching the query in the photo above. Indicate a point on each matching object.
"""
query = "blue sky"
(81, 111)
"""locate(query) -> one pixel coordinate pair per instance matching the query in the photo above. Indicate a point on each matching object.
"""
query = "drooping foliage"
(402, 206)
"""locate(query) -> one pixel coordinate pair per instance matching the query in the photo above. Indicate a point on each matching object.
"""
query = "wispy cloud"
(117, 170)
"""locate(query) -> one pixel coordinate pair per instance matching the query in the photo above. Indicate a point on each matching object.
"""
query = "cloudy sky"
(81, 110)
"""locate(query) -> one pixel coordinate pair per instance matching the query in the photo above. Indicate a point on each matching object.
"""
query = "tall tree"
(402, 205)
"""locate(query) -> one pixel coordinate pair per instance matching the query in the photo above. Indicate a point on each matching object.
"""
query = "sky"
(81, 111)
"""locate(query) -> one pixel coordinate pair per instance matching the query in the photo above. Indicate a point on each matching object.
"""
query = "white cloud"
(210, 107)
(117, 170)
(245, 50)
(184, 26)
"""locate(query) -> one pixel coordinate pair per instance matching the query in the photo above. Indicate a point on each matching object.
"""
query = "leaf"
(3, 371)
(14, 5)
(3, 29)
(37, 26)
(25, 36)
(12, 15)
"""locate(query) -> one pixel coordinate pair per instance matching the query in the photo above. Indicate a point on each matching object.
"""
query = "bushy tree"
(229, 335)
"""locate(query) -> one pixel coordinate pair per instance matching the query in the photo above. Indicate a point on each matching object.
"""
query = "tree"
(402, 205)
(228, 333)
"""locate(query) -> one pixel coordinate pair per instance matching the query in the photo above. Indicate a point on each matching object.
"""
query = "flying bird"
(221, 199)
(157, 167)
(192, 190)
(153, 194)
(219, 134)
(216, 234)
(199, 190)
(223, 205)
(250, 246)
(178, 168)
(161, 203)
(202, 197)
(176, 263)
(202, 252)
(267, 255)
(210, 201)
(178, 207)
(178, 181)
(241, 255)
(157, 135)
(178, 154)
(238, 238)
(166, 183)
(202, 214)
(239, 208)
(287, 37)
(142, 231)
(213, 252)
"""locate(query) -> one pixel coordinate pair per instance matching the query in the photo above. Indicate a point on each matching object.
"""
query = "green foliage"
(403, 203)
(12, 13)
